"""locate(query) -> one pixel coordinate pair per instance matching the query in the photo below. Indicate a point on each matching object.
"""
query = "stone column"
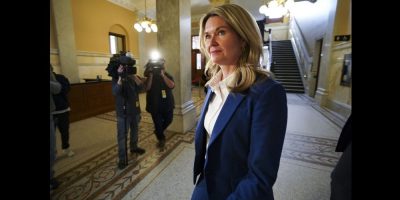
(66, 39)
(322, 94)
(174, 43)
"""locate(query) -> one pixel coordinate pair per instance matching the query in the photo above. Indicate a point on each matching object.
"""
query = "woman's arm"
(268, 128)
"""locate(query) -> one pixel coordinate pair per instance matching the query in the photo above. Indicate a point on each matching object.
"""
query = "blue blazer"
(243, 154)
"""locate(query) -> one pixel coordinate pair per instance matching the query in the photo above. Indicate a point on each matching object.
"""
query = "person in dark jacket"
(341, 176)
(61, 114)
(55, 88)
(159, 99)
(126, 90)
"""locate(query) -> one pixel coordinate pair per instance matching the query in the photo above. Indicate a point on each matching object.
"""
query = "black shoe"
(54, 184)
(161, 143)
(138, 150)
(121, 165)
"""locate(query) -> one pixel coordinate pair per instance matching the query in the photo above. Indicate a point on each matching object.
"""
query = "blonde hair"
(245, 26)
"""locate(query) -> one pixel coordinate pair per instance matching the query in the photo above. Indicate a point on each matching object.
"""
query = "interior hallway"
(308, 158)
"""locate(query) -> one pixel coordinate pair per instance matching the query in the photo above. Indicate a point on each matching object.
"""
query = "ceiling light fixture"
(145, 23)
(274, 8)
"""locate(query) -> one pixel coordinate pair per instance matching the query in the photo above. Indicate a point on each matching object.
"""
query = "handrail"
(269, 49)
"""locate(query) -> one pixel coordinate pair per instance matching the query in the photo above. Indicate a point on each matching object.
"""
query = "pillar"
(174, 43)
(64, 28)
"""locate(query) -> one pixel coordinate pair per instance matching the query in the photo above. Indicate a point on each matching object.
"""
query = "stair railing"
(269, 50)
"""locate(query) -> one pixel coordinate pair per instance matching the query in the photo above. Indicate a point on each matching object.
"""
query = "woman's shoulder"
(265, 84)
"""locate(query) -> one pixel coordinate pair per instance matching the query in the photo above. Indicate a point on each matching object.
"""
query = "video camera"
(121, 59)
(155, 66)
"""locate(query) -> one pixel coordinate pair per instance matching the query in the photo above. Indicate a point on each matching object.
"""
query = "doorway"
(315, 68)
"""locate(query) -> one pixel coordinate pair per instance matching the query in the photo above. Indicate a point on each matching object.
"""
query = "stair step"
(288, 79)
(278, 71)
(291, 76)
(294, 91)
(282, 78)
(293, 85)
(285, 64)
(281, 69)
(285, 67)
(296, 83)
(287, 75)
(295, 73)
(298, 87)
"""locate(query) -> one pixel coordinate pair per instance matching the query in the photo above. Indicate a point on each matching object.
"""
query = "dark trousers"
(125, 124)
(341, 180)
(52, 146)
(61, 121)
(161, 120)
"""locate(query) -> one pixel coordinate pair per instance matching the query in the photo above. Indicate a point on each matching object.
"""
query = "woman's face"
(222, 42)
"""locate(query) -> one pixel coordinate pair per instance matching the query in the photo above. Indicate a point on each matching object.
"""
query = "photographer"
(159, 99)
(125, 88)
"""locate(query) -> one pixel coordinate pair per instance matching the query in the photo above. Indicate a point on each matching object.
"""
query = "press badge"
(163, 94)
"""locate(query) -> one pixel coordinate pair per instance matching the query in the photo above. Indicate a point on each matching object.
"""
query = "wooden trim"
(90, 99)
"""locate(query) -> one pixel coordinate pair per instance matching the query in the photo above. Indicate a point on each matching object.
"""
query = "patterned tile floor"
(308, 157)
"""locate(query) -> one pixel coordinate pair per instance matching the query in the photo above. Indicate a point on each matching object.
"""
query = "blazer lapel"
(200, 130)
(231, 103)
(204, 108)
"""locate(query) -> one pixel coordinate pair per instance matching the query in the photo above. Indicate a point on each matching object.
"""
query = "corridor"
(307, 160)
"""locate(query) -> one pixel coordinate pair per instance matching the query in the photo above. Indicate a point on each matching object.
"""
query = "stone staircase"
(284, 66)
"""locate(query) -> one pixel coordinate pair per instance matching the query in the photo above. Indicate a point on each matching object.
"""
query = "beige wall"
(312, 19)
(53, 41)
(323, 20)
(93, 20)
(340, 98)
(343, 16)
(339, 93)
(279, 31)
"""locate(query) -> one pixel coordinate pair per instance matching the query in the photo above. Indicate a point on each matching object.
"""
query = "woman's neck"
(227, 70)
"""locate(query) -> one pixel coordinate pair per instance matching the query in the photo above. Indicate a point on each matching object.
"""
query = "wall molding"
(84, 53)
(53, 51)
(342, 109)
(341, 46)
(93, 54)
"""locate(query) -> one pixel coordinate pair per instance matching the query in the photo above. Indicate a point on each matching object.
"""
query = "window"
(117, 43)
(346, 71)
(198, 61)
(195, 42)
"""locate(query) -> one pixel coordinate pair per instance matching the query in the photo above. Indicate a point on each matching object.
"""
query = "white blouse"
(219, 87)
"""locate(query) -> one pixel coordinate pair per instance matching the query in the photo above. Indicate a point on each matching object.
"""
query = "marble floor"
(308, 158)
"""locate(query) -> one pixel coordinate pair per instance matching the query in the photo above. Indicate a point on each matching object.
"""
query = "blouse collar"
(217, 82)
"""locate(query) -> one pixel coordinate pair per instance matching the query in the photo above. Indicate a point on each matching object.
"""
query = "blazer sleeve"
(268, 128)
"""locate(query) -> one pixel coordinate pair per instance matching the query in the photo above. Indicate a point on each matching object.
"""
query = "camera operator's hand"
(162, 73)
(120, 69)
(165, 78)
(148, 71)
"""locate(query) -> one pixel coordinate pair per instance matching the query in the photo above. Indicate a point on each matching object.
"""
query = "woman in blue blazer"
(240, 133)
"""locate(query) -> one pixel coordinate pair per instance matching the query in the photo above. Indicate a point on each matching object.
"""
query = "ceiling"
(198, 7)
